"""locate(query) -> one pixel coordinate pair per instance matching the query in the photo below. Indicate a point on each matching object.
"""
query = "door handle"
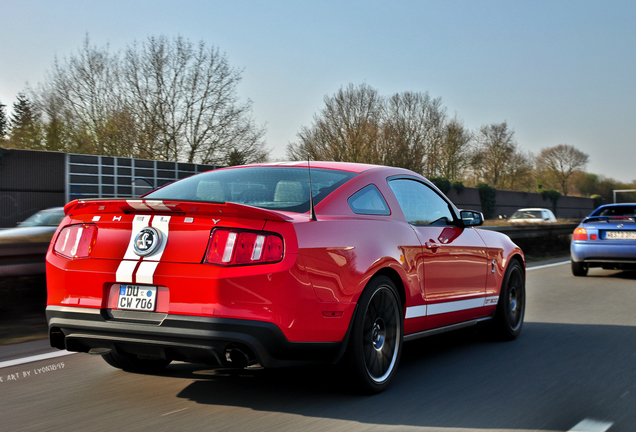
(431, 245)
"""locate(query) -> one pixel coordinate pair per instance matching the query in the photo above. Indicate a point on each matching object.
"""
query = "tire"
(511, 307)
(375, 343)
(579, 268)
(132, 363)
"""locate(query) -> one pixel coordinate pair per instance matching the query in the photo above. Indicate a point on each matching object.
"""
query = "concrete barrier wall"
(508, 201)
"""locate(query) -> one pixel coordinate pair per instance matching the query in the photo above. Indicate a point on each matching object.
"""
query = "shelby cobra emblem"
(147, 241)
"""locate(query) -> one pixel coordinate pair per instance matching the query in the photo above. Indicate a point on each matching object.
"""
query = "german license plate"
(620, 235)
(137, 297)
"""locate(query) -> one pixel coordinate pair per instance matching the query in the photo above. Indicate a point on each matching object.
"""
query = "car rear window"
(616, 211)
(527, 214)
(277, 188)
(369, 201)
(44, 218)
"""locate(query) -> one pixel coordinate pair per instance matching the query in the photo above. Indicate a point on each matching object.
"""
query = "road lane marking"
(547, 265)
(34, 358)
(175, 411)
(589, 425)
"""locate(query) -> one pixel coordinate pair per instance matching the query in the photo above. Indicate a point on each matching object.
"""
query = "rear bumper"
(595, 252)
(181, 337)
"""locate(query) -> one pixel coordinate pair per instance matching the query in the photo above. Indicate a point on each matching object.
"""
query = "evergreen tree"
(26, 128)
(4, 123)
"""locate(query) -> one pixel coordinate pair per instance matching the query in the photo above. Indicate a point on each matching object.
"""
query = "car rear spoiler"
(609, 219)
(182, 208)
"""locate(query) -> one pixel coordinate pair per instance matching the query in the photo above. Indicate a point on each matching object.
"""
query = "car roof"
(617, 205)
(341, 166)
(532, 209)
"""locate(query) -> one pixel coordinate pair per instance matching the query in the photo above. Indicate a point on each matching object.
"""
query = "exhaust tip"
(56, 339)
(236, 357)
(99, 351)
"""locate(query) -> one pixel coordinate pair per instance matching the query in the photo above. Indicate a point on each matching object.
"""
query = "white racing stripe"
(145, 267)
(138, 205)
(125, 271)
(139, 222)
(447, 307)
(157, 205)
(161, 224)
(145, 272)
(415, 311)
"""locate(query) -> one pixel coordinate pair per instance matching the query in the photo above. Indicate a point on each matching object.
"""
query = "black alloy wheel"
(512, 303)
(377, 335)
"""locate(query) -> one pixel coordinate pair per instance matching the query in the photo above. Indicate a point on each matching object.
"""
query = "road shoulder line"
(34, 358)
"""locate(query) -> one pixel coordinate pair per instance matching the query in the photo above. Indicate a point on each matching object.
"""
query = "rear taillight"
(235, 247)
(76, 241)
(579, 234)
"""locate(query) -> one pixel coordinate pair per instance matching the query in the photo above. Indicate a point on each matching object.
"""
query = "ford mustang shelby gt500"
(277, 264)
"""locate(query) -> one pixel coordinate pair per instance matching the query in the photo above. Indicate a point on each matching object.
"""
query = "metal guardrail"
(523, 231)
(20, 259)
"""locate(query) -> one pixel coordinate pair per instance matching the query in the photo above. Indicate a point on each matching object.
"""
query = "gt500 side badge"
(147, 241)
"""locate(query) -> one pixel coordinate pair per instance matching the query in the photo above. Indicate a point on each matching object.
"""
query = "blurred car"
(37, 228)
(606, 238)
(272, 265)
(23, 248)
(532, 215)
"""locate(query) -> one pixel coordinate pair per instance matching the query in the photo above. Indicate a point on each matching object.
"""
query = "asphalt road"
(572, 368)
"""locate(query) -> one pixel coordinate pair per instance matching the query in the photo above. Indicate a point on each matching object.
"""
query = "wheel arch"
(396, 279)
(517, 257)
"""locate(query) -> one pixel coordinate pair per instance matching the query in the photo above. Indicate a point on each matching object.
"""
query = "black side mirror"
(471, 218)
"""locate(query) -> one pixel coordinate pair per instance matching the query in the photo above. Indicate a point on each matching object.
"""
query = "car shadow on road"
(617, 274)
(550, 378)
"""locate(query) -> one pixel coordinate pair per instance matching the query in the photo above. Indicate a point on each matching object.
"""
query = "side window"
(420, 204)
(369, 201)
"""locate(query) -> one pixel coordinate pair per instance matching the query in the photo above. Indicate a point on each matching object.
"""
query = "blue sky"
(559, 72)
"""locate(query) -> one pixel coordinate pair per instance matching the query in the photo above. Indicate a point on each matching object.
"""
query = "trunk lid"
(180, 231)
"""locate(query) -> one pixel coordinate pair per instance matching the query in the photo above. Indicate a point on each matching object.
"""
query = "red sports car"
(270, 265)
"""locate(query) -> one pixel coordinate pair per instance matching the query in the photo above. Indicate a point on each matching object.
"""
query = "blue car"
(606, 238)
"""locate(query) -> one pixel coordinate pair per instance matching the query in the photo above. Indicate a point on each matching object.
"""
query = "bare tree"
(495, 149)
(560, 162)
(358, 125)
(346, 129)
(82, 102)
(456, 150)
(185, 96)
(519, 173)
(412, 131)
(163, 99)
